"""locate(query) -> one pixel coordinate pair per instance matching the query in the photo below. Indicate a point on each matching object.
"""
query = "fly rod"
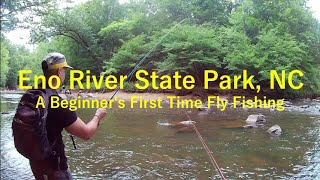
(129, 76)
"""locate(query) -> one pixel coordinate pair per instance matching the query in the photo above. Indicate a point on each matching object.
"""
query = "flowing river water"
(130, 144)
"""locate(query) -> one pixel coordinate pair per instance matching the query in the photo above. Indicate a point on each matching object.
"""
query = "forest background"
(109, 37)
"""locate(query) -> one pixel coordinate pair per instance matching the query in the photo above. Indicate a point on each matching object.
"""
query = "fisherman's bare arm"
(86, 131)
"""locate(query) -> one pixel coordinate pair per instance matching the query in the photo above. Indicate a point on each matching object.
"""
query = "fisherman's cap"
(54, 61)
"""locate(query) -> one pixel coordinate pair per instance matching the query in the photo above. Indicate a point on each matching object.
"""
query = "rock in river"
(276, 130)
(256, 118)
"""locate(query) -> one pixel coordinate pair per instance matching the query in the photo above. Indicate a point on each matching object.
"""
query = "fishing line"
(129, 76)
(213, 161)
(205, 146)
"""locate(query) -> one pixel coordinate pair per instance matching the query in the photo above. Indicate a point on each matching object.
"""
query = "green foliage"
(187, 46)
(175, 10)
(4, 64)
(181, 50)
(279, 35)
(117, 29)
(13, 59)
(272, 51)
(130, 87)
(11, 11)
(238, 50)
(127, 56)
(107, 37)
(119, 32)
(18, 59)
(81, 24)
(214, 11)
(278, 51)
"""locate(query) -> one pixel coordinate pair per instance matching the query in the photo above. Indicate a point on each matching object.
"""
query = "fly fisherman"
(52, 163)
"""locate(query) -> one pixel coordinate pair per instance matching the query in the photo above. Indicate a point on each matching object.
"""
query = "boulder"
(255, 118)
(275, 130)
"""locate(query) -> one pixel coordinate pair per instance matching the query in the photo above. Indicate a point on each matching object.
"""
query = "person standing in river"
(55, 166)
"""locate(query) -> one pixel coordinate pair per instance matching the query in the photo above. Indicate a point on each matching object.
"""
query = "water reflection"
(131, 145)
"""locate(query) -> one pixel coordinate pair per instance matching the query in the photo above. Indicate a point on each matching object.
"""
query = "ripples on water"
(131, 145)
(13, 165)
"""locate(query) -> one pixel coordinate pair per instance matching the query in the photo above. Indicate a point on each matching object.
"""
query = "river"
(130, 144)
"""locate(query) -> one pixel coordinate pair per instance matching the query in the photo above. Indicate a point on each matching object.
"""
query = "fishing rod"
(128, 78)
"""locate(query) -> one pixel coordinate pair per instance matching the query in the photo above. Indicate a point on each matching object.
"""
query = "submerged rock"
(250, 126)
(317, 99)
(165, 101)
(203, 108)
(275, 130)
(90, 95)
(287, 103)
(177, 123)
(232, 105)
(182, 126)
(305, 106)
(186, 129)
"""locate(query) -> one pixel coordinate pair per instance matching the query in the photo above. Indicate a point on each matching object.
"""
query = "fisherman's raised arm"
(86, 131)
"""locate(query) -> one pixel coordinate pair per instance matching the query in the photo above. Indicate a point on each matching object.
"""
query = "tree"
(274, 50)
(4, 63)
(17, 12)
(18, 60)
(212, 11)
(188, 49)
(82, 26)
(226, 35)
(288, 22)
